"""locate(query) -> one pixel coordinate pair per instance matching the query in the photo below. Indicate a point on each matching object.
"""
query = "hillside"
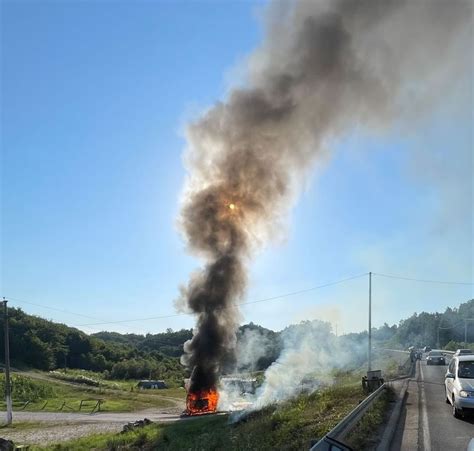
(168, 343)
(46, 345)
(42, 344)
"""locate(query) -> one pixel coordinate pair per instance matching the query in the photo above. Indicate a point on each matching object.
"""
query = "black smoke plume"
(324, 69)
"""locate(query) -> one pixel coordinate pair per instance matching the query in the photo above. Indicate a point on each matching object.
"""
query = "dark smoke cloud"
(325, 68)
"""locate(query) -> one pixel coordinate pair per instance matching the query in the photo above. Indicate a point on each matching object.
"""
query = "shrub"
(26, 389)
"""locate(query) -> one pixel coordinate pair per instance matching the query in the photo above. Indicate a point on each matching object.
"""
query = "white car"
(459, 384)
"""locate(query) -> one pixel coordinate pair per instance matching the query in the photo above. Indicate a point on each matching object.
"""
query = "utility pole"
(370, 323)
(8, 395)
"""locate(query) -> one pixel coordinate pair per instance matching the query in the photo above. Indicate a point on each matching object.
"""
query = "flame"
(232, 206)
(202, 401)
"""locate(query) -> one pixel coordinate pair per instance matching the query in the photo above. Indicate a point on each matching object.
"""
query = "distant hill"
(42, 344)
(46, 345)
(421, 329)
(168, 343)
(39, 343)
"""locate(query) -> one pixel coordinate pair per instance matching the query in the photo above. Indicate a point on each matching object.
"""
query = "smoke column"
(324, 69)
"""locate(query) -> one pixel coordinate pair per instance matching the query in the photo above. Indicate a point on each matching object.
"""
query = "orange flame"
(202, 401)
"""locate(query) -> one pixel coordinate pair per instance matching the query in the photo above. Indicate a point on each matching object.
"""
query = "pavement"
(426, 422)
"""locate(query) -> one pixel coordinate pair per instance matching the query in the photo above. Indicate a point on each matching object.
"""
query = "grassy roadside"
(48, 391)
(48, 394)
(291, 426)
(367, 432)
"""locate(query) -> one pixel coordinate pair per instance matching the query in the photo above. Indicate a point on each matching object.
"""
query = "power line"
(304, 291)
(422, 280)
(134, 320)
(21, 301)
(293, 293)
(281, 296)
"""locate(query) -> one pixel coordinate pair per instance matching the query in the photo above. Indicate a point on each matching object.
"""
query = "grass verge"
(366, 434)
(48, 394)
(288, 426)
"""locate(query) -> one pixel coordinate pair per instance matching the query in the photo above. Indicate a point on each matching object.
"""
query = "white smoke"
(253, 346)
(310, 355)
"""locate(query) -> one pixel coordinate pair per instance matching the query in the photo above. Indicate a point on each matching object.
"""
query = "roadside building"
(150, 385)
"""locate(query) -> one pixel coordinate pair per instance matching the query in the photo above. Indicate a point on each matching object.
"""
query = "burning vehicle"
(201, 402)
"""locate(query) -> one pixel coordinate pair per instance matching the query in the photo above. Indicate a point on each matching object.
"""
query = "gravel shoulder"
(50, 427)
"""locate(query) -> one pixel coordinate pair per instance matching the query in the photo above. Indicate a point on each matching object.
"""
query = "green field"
(292, 425)
(289, 425)
(43, 392)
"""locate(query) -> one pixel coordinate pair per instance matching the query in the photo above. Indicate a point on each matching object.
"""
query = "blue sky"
(95, 96)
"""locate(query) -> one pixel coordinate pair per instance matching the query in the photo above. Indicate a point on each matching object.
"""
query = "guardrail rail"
(332, 440)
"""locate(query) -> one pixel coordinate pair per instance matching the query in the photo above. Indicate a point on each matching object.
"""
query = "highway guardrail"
(332, 440)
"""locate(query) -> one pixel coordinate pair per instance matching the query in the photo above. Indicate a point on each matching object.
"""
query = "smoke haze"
(323, 69)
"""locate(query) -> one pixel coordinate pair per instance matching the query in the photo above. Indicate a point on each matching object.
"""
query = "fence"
(94, 403)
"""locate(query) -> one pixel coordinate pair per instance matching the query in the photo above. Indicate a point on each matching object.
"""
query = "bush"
(25, 389)
(75, 378)
(454, 345)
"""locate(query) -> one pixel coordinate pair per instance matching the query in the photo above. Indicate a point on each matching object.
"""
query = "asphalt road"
(427, 422)
(445, 431)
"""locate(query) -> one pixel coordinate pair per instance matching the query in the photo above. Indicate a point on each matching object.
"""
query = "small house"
(147, 385)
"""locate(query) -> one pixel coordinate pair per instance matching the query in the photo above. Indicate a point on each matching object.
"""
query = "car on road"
(463, 352)
(459, 384)
(435, 358)
(426, 349)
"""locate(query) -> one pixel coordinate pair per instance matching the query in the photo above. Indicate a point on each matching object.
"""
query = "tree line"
(46, 345)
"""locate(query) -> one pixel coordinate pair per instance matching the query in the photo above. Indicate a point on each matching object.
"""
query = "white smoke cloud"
(310, 354)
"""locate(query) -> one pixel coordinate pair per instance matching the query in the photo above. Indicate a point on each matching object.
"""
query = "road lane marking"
(424, 414)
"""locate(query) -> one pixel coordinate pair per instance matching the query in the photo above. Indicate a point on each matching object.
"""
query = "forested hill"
(39, 343)
(46, 345)
(422, 329)
(169, 343)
